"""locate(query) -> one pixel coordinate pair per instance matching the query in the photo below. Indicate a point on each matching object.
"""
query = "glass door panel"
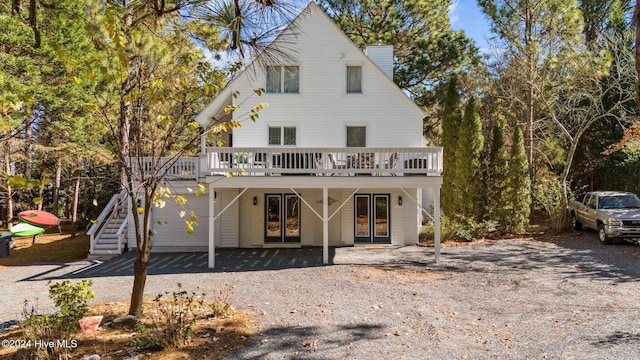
(292, 217)
(381, 216)
(362, 218)
(381, 212)
(372, 217)
(273, 231)
(282, 223)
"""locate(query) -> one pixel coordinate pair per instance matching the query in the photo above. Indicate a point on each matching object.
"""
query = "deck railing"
(181, 168)
(322, 161)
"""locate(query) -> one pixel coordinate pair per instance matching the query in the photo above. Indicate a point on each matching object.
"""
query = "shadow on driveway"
(227, 260)
(572, 257)
(579, 256)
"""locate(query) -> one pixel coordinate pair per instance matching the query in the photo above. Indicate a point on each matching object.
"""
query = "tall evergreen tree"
(497, 176)
(451, 119)
(536, 38)
(468, 176)
(517, 192)
(427, 51)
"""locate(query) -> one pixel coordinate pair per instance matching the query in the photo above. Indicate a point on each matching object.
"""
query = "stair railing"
(122, 233)
(113, 208)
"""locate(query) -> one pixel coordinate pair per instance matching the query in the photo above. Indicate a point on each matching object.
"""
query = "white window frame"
(282, 75)
(346, 79)
(366, 136)
(282, 127)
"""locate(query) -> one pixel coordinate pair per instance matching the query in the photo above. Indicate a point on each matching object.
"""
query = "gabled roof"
(215, 109)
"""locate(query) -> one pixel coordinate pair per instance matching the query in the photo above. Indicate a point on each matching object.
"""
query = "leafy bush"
(446, 230)
(468, 229)
(548, 194)
(174, 315)
(72, 300)
(459, 227)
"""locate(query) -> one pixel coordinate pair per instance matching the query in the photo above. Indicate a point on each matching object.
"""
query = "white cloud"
(453, 11)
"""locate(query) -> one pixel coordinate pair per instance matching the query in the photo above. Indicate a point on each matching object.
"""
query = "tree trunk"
(530, 97)
(34, 23)
(636, 23)
(41, 193)
(28, 148)
(74, 212)
(7, 169)
(15, 7)
(56, 188)
(140, 268)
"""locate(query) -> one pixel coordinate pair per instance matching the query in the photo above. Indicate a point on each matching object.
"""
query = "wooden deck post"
(212, 228)
(436, 221)
(325, 225)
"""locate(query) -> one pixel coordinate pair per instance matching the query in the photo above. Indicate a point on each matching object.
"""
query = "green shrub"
(446, 230)
(72, 300)
(458, 228)
(174, 314)
(470, 230)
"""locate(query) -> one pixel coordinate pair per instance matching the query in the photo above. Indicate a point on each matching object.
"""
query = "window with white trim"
(356, 136)
(354, 79)
(282, 135)
(283, 79)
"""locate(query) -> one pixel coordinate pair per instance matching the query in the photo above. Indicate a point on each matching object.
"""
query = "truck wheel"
(602, 235)
(575, 224)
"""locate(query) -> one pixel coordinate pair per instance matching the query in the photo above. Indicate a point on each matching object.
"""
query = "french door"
(372, 218)
(282, 218)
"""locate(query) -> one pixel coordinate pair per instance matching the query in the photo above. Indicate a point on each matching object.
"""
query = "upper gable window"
(283, 79)
(354, 79)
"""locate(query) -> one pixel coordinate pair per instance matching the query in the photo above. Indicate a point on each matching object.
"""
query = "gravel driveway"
(567, 299)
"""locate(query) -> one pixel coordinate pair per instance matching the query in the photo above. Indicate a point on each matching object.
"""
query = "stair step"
(102, 255)
(113, 242)
(106, 249)
(108, 243)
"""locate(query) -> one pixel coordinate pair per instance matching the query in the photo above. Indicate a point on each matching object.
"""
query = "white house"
(336, 159)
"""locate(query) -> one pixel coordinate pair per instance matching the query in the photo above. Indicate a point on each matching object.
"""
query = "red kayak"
(39, 218)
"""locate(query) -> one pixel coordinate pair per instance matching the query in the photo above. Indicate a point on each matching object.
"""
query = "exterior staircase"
(108, 235)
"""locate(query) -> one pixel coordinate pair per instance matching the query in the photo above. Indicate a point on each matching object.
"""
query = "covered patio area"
(297, 184)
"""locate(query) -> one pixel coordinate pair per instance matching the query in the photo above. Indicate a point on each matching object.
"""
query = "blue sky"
(466, 15)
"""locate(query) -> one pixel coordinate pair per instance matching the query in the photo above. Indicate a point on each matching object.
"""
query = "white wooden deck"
(276, 161)
(322, 161)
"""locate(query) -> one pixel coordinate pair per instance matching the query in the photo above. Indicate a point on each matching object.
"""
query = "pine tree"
(468, 177)
(451, 119)
(517, 192)
(497, 176)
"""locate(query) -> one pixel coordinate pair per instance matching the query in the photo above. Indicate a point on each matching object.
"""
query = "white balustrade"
(302, 161)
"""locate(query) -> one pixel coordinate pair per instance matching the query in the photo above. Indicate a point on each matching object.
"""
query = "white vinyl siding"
(321, 107)
(170, 230)
(227, 223)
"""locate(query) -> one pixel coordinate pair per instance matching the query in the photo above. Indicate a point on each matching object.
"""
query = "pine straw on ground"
(212, 338)
(206, 342)
(52, 247)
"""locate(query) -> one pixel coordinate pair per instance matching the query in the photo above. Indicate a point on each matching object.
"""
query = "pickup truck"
(613, 214)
